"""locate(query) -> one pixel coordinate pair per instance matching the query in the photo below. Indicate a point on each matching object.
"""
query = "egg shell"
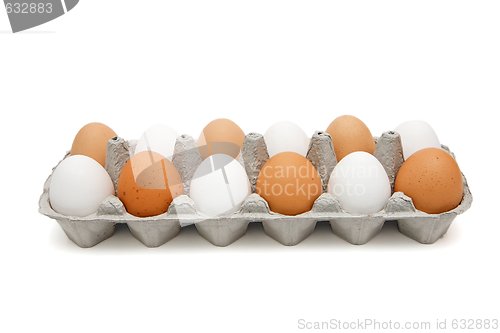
(361, 185)
(92, 140)
(221, 136)
(78, 186)
(158, 138)
(289, 183)
(286, 136)
(288, 230)
(349, 134)
(416, 135)
(219, 185)
(148, 183)
(432, 179)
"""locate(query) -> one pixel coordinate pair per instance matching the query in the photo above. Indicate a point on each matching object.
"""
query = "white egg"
(360, 184)
(78, 186)
(158, 138)
(416, 135)
(219, 185)
(286, 136)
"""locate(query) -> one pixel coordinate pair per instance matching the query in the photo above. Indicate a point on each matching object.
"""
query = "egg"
(78, 186)
(349, 134)
(286, 136)
(416, 135)
(221, 136)
(432, 179)
(360, 184)
(289, 183)
(158, 138)
(92, 140)
(148, 183)
(219, 185)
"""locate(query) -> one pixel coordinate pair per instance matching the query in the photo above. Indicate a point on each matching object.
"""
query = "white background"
(131, 64)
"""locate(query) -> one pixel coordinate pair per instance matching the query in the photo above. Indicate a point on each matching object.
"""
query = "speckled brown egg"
(148, 183)
(221, 136)
(289, 183)
(92, 140)
(349, 134)
(432, 178)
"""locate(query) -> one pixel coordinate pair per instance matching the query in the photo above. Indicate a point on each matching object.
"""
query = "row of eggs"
(288, 181)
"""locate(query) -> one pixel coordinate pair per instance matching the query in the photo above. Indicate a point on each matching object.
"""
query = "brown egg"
(92, 141)
(432, 179)
(349, 134)
(289, 183)
(148, 183)
(221, 136)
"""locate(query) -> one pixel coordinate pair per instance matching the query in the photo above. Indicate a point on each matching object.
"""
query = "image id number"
(29, 8)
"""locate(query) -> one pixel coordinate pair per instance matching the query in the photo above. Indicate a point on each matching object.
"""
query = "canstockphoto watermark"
(349, 189)
(359, 171)
(289, 189)
(362, 324)
(289, 171)
(372, 324)
(355, 188)
(26, 14)
(289, 180)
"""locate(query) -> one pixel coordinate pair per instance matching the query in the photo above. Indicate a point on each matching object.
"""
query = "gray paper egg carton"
(288, 230)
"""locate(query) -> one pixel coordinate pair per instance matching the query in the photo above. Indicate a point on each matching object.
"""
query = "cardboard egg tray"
(288, 230)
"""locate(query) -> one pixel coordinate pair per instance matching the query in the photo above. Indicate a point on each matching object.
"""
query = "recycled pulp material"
(288, 230)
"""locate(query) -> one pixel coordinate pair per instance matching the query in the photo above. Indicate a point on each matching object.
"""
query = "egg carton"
(288, 230)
